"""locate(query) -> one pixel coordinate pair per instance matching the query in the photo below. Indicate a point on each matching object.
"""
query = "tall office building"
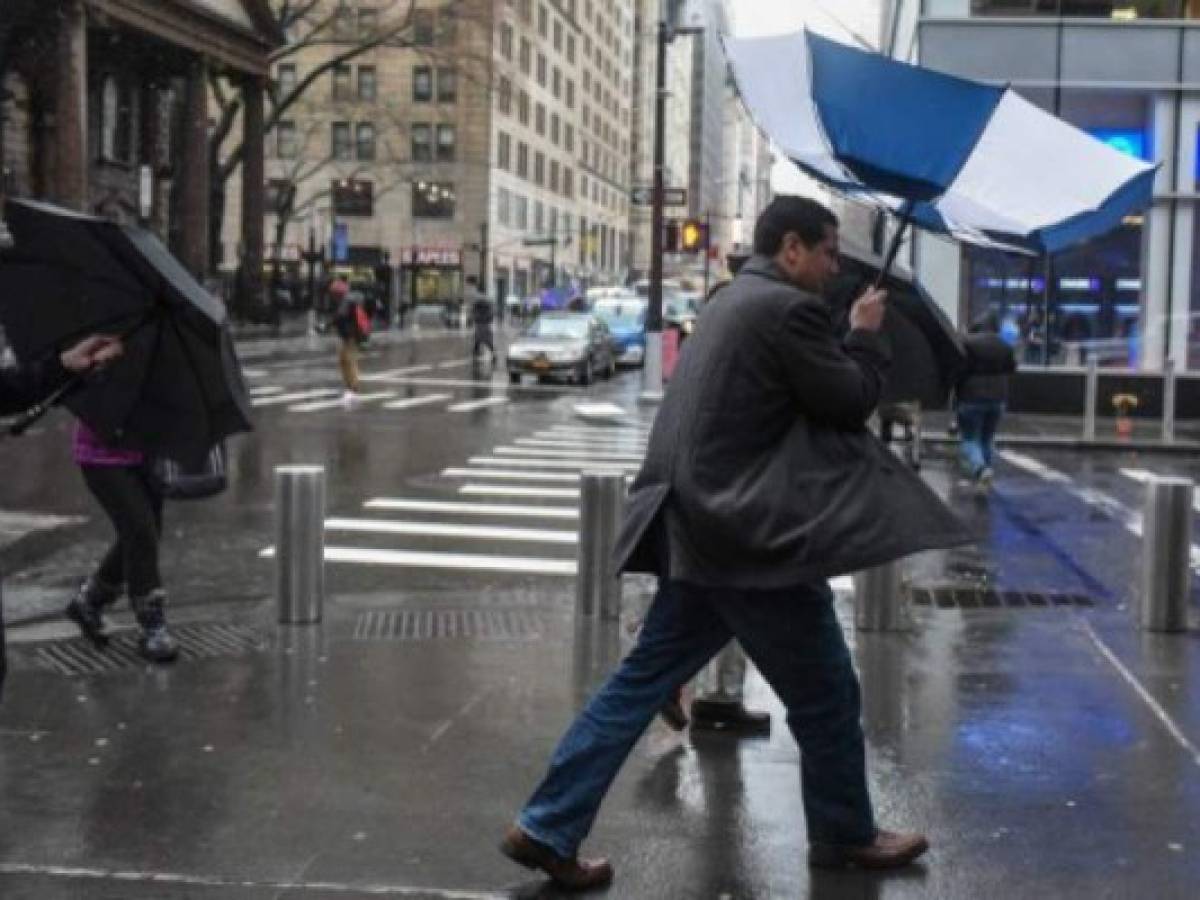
(488, 139)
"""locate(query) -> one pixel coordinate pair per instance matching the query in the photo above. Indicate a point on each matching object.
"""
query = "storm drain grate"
(988, 598)
(196, 642)
(441, 624)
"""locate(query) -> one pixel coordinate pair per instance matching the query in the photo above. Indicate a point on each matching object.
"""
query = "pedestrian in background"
(347, 326)
(122, 481)
(761, 480)
(981, 396)
(22, 387)
(481, 317)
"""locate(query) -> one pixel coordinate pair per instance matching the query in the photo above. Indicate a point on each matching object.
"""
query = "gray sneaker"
(86, 609)
(156, 643)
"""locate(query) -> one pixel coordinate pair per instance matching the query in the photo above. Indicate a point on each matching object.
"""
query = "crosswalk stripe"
(513, 475)
(477, 404)
(567, 454)
(393, 373)
(1143, 475)
(465, 383)
(588, 431)
(280, 399)
(580, 444)
(330, 404)
(266, 390)
(436, 560)
(455, 363)
(444, 529)
(474, 509)
(255, 373)
(410, 402)
(577, 464)
(510, 490)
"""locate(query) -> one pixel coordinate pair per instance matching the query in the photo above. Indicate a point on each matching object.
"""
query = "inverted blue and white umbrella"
(971, 160)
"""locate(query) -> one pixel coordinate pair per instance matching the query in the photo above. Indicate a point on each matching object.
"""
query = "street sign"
(644, 196)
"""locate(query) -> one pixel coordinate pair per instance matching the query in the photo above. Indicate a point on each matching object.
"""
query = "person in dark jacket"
(761, 480)
(23, 387)
(481, 316)
(981, 397)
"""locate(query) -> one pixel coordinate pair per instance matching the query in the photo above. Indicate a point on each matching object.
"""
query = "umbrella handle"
(31, 415)
(894, 247)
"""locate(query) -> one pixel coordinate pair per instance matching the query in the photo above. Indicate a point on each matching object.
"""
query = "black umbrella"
(178, 388)
(928, 356)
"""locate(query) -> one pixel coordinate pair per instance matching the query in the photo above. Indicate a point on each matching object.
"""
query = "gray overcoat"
(760, 472)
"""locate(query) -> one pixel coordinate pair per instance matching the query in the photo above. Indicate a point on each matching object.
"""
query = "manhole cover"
(440, 624)
(954, 597)
(202, 641)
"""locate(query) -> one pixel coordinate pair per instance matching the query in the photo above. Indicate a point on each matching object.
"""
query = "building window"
(433, 200)
(343, 149)
(525, 56)
(539, 217)
(446, 141)
(422, 84)
(447, 27)
(286, 80)
(503, 151)
(447, 85)
(541, 69)
(504, 206)
(280, 193)
(504, 96)
(523, 108)
(367, 86)
(556, 82)
(343, 24)
(353, 198)
(523, 159)
(539, 168)
(116, 121)
(570, 94)
(422, 28)
(543, 21)
(570, 48)
(506, 41)
(539, 119)
(522, 210)
(569, 137)
(285, 140)
(368, 21)
(554, 175)
(422, 142)
(568, 180)
(558, 35)
(554, 128)
(365, 138)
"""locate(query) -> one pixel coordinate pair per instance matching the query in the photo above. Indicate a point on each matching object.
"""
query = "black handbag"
(176, 481)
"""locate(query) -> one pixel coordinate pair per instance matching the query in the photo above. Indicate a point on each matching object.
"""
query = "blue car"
(626, 320)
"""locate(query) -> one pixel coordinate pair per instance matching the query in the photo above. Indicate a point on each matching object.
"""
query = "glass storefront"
(1084, 303)
(1098, 9)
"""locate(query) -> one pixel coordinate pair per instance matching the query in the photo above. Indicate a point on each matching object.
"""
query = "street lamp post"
(652, 375)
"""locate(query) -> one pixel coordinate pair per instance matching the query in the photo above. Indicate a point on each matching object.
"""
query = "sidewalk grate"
(196, 642)
(442, 624)
(988, 598)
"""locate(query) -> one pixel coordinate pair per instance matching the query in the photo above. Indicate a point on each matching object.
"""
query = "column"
(1185, 224)
(253, 200)
(194, 171)
(69, 182)
(1156, 241)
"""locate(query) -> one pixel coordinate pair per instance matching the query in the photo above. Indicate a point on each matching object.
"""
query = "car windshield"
(631, 314)
(558, 327)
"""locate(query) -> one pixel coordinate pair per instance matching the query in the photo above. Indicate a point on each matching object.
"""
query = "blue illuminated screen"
(1128, 140)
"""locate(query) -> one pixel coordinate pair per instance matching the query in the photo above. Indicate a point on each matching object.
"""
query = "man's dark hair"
(807, 218)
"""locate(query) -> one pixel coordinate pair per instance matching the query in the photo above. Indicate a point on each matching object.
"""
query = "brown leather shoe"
(569, 874)
(889, 850)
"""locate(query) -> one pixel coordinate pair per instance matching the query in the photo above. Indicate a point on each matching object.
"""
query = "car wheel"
(585, 374)
(514, 377)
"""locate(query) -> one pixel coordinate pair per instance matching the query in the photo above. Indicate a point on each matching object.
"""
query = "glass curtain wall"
(1120, 9)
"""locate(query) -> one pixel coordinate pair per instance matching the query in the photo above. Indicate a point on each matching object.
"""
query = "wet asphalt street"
(1047, 747)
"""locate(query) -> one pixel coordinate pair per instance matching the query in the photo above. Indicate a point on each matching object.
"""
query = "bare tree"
(305, 24)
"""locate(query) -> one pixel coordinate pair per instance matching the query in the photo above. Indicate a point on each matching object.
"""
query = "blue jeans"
(977, 422)
(794, 639)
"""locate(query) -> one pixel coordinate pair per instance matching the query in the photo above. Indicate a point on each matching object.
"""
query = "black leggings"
(135, 509)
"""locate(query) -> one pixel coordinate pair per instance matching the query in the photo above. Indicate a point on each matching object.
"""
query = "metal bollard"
(597, 586)
(1090, 391)
(299, 543)
(1168, 431)
(879, 601)
(1166, 554)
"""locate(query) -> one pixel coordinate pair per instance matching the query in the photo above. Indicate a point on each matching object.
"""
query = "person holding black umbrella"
(25, 386)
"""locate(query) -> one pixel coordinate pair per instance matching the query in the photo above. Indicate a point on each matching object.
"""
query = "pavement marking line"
(1143, 475)
(1129, 518)
(577, 464)
(508, 490)
(455, 363)
(280, 399)
(465, 383)
(393, 373)
(446, 725)
(444, 529)
(547, 453)
(82, 873)
(255, 373)
(474, 509)
(341, 401)
(266, 390)
(430, 559)
(477, 404)
(623, 431)
(581, 444)
(516, 475)
(411, 402)
(1161, 714)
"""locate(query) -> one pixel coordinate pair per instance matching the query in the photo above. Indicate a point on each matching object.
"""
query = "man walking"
(761, 481)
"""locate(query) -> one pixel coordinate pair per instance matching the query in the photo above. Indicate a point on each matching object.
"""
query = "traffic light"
(692, 237)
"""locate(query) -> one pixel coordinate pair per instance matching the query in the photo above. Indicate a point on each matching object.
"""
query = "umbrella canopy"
(178, 388)
(928, 356)
(963, 158)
